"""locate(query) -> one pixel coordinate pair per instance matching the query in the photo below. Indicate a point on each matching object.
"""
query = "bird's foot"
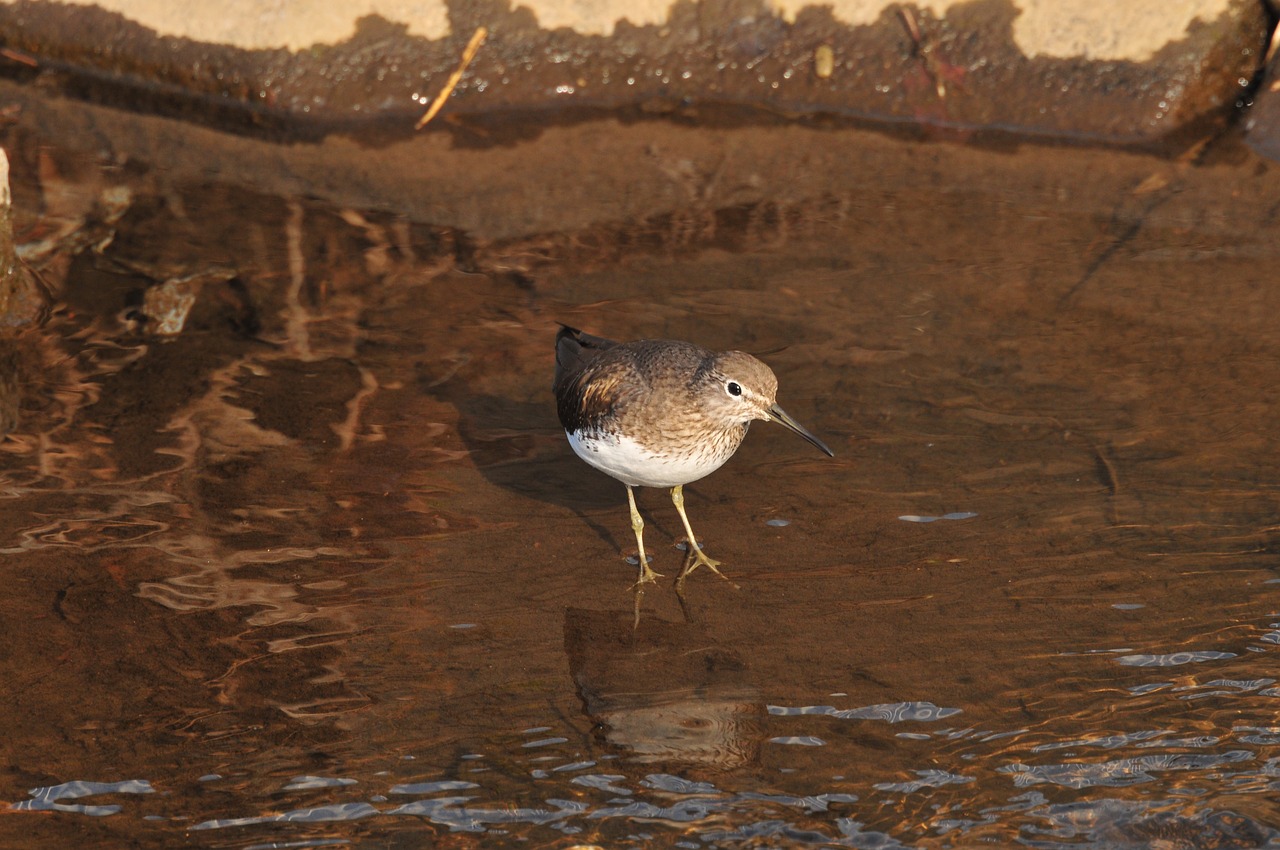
(697, 558)
(647, 576)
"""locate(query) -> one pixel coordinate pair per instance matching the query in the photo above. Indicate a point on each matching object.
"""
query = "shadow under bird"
(661, 413)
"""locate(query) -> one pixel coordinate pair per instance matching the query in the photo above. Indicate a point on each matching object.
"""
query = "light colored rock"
(1134, 30)
(268, 24)
(858, 13)
(301, 24)
(597, 17)
(168, 306)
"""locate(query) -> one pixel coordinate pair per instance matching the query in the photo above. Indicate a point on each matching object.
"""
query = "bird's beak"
(777, 414)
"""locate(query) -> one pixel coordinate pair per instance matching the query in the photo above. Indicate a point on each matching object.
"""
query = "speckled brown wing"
(591, 374)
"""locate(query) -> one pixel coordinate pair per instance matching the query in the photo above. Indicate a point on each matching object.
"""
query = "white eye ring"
(733, 388)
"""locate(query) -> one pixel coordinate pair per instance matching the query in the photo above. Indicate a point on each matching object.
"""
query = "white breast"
(631, 463)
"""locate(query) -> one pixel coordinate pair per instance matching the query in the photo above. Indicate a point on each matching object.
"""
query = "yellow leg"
(697, 556)
(637, 525)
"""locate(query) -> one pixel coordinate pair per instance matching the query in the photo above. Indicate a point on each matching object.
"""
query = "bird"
(661, 413)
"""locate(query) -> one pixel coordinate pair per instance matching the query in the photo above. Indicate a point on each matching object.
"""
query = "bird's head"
(740, 388)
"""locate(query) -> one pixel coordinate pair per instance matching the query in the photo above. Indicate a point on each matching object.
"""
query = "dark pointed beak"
(782, 418)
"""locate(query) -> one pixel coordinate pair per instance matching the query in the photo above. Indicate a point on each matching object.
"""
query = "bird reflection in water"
(664, 692)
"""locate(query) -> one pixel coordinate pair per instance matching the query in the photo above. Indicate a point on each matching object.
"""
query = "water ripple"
(895, 712)
(45, 799)
(603, 782)
(1112, 824)
(1268, 736)
(1224, 687)
(811, 805)
(957, 515)
(317, 814)
(683, 811)
(1174, 659)
(1118, 773)
(677, 785)
(453, 813)
(1106, 742)
(927, 779)
(311, 783)
(432, 787)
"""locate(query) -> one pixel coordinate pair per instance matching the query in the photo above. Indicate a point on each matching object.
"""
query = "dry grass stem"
(467, 55)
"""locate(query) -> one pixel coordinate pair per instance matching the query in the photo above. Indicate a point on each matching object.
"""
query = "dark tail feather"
(575, 349)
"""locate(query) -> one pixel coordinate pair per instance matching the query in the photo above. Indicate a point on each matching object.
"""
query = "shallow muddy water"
(319, 568)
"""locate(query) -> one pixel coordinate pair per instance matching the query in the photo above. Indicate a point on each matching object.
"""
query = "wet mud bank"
(295, 549)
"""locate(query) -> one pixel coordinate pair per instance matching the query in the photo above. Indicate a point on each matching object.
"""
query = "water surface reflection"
(296, 552)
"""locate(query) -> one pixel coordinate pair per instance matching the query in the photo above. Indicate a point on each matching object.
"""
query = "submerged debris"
(19, 297)
(20, 303)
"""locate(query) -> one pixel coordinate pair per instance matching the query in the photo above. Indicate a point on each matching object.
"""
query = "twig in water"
(19, 56)
(467, 55)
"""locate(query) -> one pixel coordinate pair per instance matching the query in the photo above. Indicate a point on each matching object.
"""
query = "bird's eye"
(733, 388)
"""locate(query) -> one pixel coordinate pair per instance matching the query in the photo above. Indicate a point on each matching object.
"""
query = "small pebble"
(824, 61)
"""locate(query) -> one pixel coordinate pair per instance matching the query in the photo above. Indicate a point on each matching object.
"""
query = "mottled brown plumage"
(661, 413)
